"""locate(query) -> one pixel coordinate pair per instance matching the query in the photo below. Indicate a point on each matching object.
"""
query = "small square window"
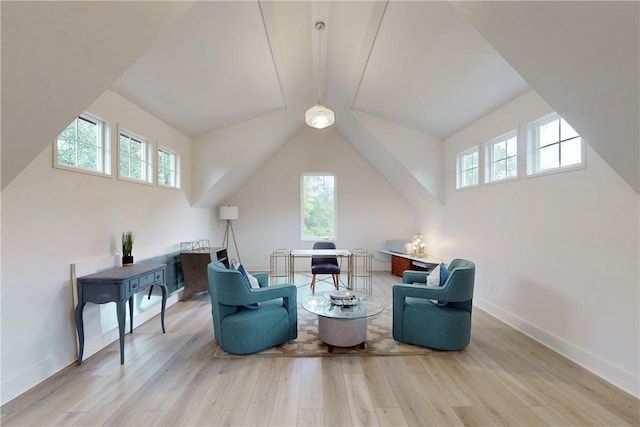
(467, 169)
(84, 146)
(168, 168)
(501, 156)
(553, 145)
(135, 158)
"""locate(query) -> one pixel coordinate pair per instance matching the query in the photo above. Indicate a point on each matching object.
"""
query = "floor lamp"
(229, 213)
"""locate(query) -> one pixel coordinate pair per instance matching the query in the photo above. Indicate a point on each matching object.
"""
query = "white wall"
(557, 256)
(52, 218)
(370, 211)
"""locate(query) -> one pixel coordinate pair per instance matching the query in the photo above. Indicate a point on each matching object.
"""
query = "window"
(84, 145)
(553, 145)
(318, 212)
(501, 156)
(168, 168)
(135, 158)
(467, 168)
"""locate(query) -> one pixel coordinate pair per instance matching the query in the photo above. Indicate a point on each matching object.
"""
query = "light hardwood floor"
(502, 378)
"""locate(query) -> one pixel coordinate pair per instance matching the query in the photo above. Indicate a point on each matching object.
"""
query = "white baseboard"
(594, 364)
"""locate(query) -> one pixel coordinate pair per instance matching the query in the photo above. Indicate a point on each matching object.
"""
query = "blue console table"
(118, 285)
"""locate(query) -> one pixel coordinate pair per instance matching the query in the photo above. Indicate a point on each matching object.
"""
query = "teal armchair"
(240, 330)
(420, 321)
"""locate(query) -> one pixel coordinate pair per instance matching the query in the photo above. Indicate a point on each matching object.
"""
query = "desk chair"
(328, 265)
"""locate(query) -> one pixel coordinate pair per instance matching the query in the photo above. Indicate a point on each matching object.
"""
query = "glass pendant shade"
(319, 117)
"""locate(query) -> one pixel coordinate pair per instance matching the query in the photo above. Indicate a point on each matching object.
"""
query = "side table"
(118, 285)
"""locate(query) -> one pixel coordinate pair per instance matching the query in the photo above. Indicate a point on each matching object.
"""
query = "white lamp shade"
(228, 212)
(319, 117)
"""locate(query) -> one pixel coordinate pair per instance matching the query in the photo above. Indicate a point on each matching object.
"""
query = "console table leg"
(121, 309)
(164, 304)
(131, 314)
(80, 329)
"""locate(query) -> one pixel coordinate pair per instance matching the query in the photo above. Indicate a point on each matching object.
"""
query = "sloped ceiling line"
(271, 50)
(369, 40)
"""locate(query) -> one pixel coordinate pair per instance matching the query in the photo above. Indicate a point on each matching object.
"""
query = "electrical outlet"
(492, 287)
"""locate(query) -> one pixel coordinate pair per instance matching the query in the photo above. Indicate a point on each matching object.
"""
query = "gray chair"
(418, 320)
(325, 265)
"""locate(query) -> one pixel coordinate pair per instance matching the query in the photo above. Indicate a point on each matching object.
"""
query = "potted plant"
(127, 248)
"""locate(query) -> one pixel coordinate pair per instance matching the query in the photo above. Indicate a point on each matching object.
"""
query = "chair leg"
(336, 281)
(313, 284)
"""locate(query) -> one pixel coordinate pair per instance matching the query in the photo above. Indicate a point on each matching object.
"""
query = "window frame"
(148, 163)
(533, 147)
(304, 237)
(459, 171)
(489, 159)
(176, 169)
(104, 134)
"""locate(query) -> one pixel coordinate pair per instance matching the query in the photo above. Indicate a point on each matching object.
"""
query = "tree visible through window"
(84, 145)
(318, 206)
(168, 168)
(135, 161)
(502, 158)
(467, 168)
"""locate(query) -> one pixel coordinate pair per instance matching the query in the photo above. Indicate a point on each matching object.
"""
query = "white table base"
(342, 332)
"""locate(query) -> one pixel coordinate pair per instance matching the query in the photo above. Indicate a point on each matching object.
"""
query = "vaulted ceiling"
(426, 67)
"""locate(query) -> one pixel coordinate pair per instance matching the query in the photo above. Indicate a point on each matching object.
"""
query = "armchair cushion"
(248, 280)
(437, 277)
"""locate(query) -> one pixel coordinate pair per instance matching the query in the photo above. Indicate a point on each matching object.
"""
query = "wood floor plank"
(391, 417)
(336, 401)
(413, 409)
(363, 411)
(285, 405)
(379, 389)
(245, 382)
(310, 417)
(311, 392)
(582, 401)
(440, 413)
(262, 399)
(447, 386)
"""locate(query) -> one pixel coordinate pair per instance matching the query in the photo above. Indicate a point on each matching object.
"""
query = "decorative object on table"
(345, 298)
(449, 327)
(319, 116)
(127, 248)
(229, 213)
(418, 244)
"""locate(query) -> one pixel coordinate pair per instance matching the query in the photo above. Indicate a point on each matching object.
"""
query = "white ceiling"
(427, 69)
(424, 68)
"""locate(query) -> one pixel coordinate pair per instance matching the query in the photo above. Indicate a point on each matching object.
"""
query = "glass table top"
(343, 305)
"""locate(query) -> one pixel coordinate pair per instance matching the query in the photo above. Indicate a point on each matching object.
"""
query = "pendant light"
(319, 116)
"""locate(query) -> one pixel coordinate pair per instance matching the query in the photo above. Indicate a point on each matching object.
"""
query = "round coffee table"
(342, 323)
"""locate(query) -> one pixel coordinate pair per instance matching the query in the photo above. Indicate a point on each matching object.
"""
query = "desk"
(118, 285)
(194, 268)
(401, 262)
(310, 253)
